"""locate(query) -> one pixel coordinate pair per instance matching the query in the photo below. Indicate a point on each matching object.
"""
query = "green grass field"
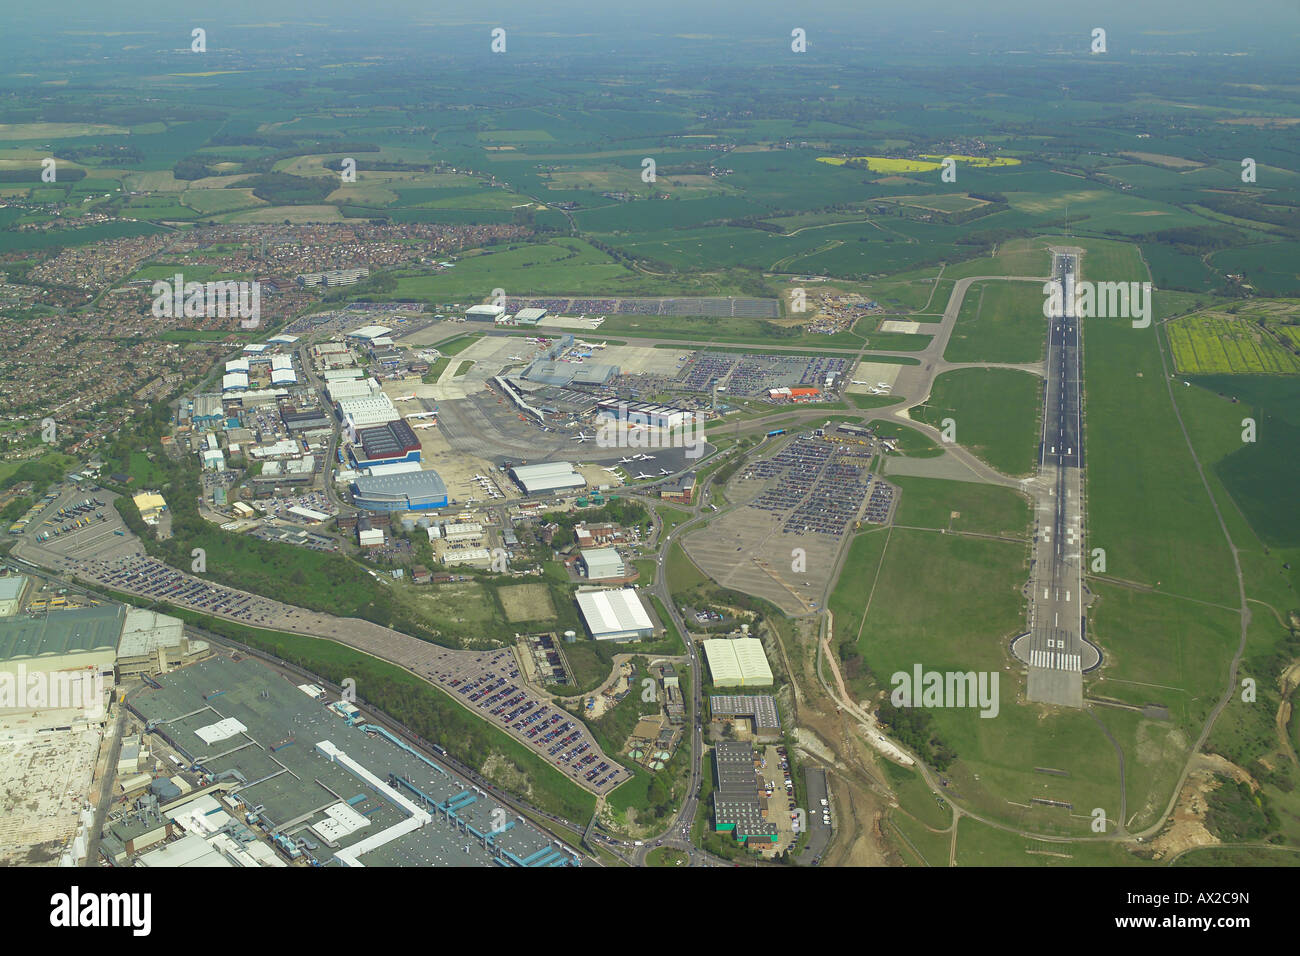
(961, 506)
(999, 322)
(995, 415)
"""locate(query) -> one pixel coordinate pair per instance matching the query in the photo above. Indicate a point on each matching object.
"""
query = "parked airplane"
(643, 475)
(516, 358)
(854, 381)
(664, 471)
(612, 471)
(626, 461)
(644, 457)
(422, 415)
(404, 398)
(426, 425)
(582, 436)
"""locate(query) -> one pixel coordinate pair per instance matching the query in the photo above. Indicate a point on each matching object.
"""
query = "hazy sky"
(1239, 17)
(1271, 27)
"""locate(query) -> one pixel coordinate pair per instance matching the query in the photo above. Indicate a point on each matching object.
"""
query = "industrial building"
(547, 477)
(738, 662)
(206, 410)
(737, 808)
(615, 615)
(413, 491)
(66, 640)
(600, 564)
(529, 316)
(305, 421)
(386, 444)
(473, 557)
(394, 806)
(11, 594)
(153, 643)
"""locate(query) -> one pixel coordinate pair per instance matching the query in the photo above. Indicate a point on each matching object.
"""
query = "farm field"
(1209, 343)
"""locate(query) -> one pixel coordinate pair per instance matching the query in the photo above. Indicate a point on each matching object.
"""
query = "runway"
(1054, 648)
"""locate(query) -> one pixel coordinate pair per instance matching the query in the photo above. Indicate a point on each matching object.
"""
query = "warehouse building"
(368, 333)
(615, 615)
(529, 316)
(386, 444)
(414, 491)
(738, 662)
(234, 382)
(547, 477)
(153, 644)
(11, 594)
(601, 564)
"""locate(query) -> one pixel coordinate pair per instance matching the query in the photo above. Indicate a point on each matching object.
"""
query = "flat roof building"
(11, 594)
(385, 444)
(737, 808)
(153, 644)
(759, 709)
(601, 563)
(615, 615)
